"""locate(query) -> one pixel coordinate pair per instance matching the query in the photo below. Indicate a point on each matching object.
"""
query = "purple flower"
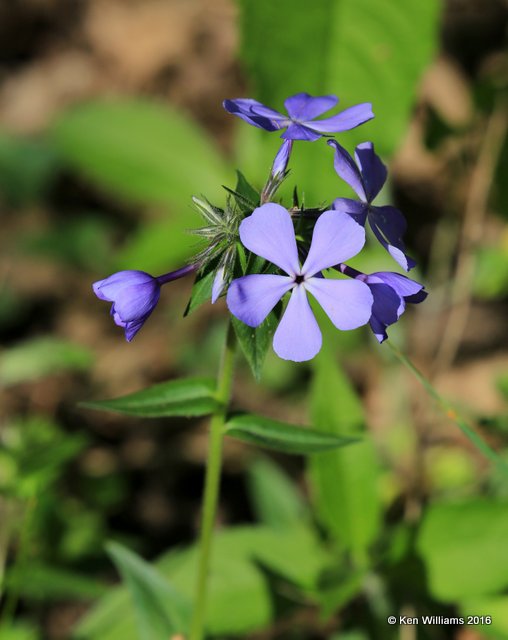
(303, 109)
(134, 295)
(367, 177)
(269, 233)
(391, 292)
(281, 160)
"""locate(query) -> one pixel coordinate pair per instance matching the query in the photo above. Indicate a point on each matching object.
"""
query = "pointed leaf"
(201, 292)
(255, 342)
(282, 436)
(187, 397)
(160, 609)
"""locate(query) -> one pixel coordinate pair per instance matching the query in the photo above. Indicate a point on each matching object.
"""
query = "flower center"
(299, 279)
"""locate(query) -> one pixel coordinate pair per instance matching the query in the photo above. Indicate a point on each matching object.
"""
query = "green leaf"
(282, 436)
(160, 609)
(39, 357)
(255, 341)
(360, 50)
(186, 397)
(494, 606)
(247, 198)
(276, 501)
(140, 150)
(464, 548)
(201, 292)
(344, 482)
(40, 582)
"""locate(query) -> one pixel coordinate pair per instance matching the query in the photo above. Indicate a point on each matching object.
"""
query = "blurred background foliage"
(111, 119)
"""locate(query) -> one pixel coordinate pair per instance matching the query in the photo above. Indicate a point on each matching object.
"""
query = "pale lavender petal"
(297, 131)
(298, 337)
(403, 285)
(357, 210)
(373, 170)
(269, 233)
(346, 169)
(389, 225)
(348, 303)
(281, 160)
(336, 238)
(303, 106)
(255, 113)
(218, 284)
(345, 120)
(251, 298)
(132, 328)
(109, 288)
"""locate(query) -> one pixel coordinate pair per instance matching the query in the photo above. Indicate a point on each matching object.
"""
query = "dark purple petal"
(298, 337)
(251, 298)
(347, 303)
(269, 233)
(372, 169)
(404, 286)
(256, 113)
(357, 210)
(389, 226)
(386, 310)
(297, 131)
(346, 169)
(417, 297)
(303, 106)
(336, 238)
(345, 120)
(109, 288)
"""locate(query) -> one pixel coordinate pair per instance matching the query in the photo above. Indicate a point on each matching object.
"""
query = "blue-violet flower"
(134, 295)
(269, 233)
(391, 292)
(366, 177)
(302, 109)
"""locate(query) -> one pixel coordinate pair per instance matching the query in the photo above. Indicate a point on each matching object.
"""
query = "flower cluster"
(256, 258)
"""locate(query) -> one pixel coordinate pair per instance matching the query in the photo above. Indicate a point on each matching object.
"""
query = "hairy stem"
(212, 482)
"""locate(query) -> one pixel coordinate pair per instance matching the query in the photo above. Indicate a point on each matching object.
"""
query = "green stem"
(212, 481)
(451, 412)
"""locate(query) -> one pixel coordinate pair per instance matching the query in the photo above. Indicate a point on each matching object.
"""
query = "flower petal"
(372, 169)
(345, 120)
(387, 308)
(348, 303)
(357, 210)
(256, 113)
(336, 238)
(303, 106)
(109, 288)
(346, 169)
(251, 298)
(137, 301)
(218, 284)
(297, 131)
(403, 285)
(269, 233)
(298, 337)
(132, 328)
(389, 225)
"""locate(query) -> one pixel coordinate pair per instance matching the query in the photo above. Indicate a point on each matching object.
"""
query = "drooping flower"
(302, 110)
(366, 177)
(134, 295)
(269, 233)
(391, 292)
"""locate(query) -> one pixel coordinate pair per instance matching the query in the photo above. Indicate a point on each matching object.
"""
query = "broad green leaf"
(141, 151)
(36, 581)
(27, 168)
(255, 341)
(464, 548)
(18, 631)
(186, 397)
(276, 501)
(281, 436)
(344, 482)
(201, 292)
(246, 197)
(160, 609)
(361, 50)
(495, 607)
(39, 357)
